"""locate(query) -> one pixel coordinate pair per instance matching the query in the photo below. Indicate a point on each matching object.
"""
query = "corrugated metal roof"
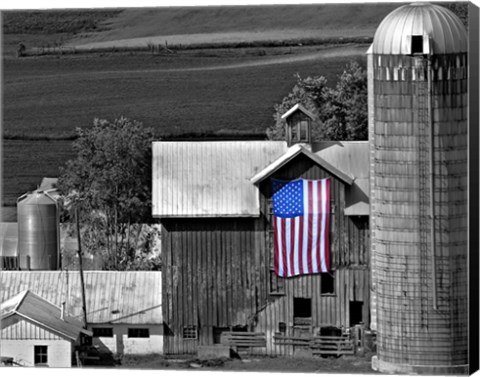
(38, 310)
(129, 297)
(350, 157)
(206, 179)
(445, 30)
(203, 179)
(8, 239)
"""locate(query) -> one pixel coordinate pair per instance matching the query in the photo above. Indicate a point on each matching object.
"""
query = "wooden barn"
(214, 203)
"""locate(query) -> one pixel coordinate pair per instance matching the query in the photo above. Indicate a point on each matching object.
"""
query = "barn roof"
(207, 179)
(351, 157)
(218, 179)
(126, 297)
(293, 152)
(37, 310)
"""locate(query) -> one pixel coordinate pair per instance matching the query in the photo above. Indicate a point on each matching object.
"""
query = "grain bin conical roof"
(445, 30)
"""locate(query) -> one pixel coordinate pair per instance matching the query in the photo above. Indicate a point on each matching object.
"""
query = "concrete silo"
(38, 231)
(417, 69)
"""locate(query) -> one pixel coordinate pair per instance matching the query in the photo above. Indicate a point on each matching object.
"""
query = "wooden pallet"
(282, 340)
(243, 339)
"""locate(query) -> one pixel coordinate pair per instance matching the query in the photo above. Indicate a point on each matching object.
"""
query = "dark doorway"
(356, 310)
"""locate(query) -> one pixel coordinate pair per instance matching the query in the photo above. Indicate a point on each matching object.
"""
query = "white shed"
(124, 308)
(34, 332)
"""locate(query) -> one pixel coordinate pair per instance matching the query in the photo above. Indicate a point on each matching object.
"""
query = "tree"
(341, 112)
(109, 182)
(460, 9)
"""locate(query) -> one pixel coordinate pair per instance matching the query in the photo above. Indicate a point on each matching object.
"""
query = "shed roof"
(350, 157)
(128, 297)
(37, 310)
(444, 29)
(207, 179)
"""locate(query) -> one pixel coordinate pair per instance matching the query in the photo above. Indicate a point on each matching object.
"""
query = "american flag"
(301, 220)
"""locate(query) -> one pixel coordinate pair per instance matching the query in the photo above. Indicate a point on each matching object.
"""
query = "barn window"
(40, 355)
(277, 284)
(302, 311)
(138, 333)
(327, 284)
(189, 332)
(102, 332)
(417, 44)
(282, 327)
(303, 131)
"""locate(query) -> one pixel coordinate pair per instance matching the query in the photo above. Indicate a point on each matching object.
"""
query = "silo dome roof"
(444, 29)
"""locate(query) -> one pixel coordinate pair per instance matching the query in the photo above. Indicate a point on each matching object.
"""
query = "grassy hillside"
(186, 93)
(189, 92)
(316, 19)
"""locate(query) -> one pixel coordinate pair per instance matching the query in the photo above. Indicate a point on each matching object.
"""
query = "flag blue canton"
(287, 198)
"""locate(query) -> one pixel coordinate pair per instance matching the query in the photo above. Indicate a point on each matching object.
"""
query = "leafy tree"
(109, 183)
(460, 9)
(341, 112)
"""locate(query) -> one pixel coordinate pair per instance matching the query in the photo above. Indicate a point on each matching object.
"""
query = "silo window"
(417, 44)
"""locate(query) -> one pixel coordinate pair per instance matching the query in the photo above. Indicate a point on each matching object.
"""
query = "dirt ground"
(344, 364)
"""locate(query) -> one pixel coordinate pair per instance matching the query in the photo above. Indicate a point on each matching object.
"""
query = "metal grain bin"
(38, 231)
(417, 69)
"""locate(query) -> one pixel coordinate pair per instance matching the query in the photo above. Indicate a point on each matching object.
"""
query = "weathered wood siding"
(210, 278)
(217, 272)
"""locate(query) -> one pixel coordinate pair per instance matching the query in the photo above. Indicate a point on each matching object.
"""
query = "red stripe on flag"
(301, 268)
(284, 248)
(275, 243)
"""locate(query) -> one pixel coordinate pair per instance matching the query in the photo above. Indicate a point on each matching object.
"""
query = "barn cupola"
(298, 125)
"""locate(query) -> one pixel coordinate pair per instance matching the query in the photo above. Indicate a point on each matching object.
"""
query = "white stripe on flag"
(324, 220)
(279, 244)
(296, 269)
(288, 246)
(314, 230)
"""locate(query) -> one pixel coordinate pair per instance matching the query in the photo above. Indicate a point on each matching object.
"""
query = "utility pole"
(81, 267)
